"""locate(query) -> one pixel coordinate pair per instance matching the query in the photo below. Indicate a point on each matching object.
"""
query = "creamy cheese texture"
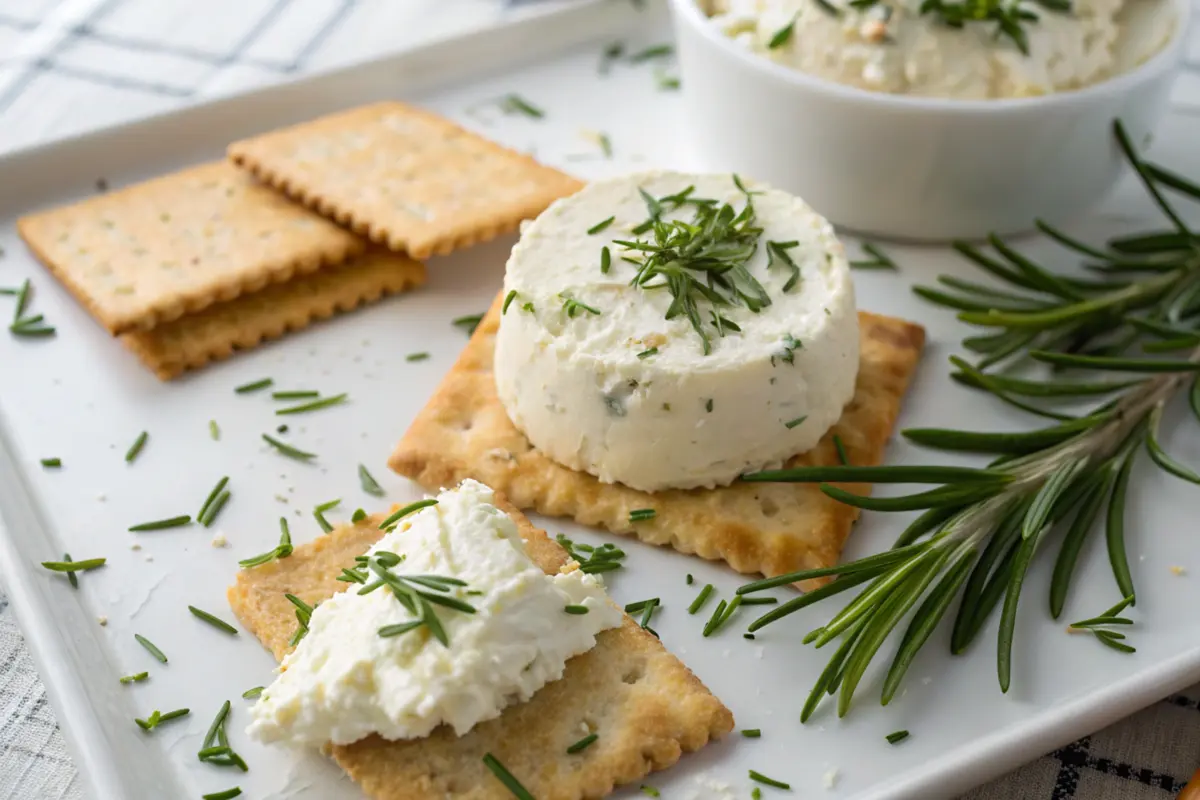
(344, 682)
(629, 395)
(892, 47)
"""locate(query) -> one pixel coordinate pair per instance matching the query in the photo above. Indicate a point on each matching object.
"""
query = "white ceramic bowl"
(908, 167)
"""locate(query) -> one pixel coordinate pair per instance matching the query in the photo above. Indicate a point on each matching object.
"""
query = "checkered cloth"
(70, 65)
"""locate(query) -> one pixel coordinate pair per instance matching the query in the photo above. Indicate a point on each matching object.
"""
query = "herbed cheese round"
(731, 345)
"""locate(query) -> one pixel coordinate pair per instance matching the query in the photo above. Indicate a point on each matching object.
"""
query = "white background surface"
(87, 400)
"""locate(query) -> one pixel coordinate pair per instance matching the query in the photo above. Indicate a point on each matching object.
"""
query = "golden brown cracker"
(646, 707)
(220, 330)
(155, 251)
(404, 177)
(772, 529)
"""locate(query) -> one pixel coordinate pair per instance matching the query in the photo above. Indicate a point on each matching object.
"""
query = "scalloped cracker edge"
(770, 529)
(646, 707)
(156, 251)
(404, 177)
(220, 330)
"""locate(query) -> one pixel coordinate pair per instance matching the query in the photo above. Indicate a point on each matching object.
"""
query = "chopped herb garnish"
(647, 608)
(701, 598)
(250, 694)
(897, 737)
(605, 260)
(650, 791)
(288, 450)
(137, 678)
(319, 514)
(216, 622)
(150, 647)
(601, 225)
(303, 615)
(508, 298)
(759, 601)
(843, 459)
(721, 615)
(69, 566)
(162, 524)
(515, 104)
(667, 82)
(828, 7)
(756, 793)
(573, 307)
(778, 256)
(418, 594)
(788, 354)
(210, 514)
(22, 301)
(358, 516)
(592, 560)
(878, 259)
(708, 405)
(214, 431)
(212, 496)
(576, 609)
(795, 422)
(31, 329)
(505, 777)
(227, 794)
(156, 718)
(404, 512)
(782, 36)
(416, 356)
(282, 550)
(468, 323)
(641, 514)
(583, 744)
(763, 779)
(315, 405)
(369, 484)
(281, 429)
(254, 387)
(751, 733)
(651, 53)
(71, 578)
(51, 463)
(215, 749)
(690, 580)
(295, 394)
(653, 351)
(605, 144)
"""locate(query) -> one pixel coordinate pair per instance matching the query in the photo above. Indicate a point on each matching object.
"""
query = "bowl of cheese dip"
(927, 119)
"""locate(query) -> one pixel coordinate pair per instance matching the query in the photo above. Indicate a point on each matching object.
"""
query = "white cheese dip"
(629, 395)
(344, 681)
(892, 47)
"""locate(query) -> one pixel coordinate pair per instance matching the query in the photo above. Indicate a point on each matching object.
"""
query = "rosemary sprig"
(418, 594)
(282, 550)
(592, 560)
(980, 530)
(1101, 627)
(1009, 18)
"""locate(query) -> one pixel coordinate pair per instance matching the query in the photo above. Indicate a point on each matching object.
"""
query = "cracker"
(404, 177)
(171, 246)
(644, 704)
(772, 529)
(220, 330)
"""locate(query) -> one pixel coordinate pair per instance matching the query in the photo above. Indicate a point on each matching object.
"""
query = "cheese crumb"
(135, 546)
(101, 497)
(1178, 570)
(219, 540)
(830, 778)
(102, 620)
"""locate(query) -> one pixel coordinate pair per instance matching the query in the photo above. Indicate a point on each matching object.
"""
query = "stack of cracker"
(193, 266)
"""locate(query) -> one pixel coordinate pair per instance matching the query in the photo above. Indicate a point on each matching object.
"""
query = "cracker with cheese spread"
(772, 529)
(645, 705)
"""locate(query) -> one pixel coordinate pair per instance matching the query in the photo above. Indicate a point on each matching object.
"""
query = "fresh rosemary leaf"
(641, 514)
(52, 463)
(782, 36)
(150, 647)
(74, 566)
(878, 260)
(316, 405)
(210, 514)
(250, 694)
(295, 394)
(71, 577)
(576, 610)
(416, 357)
(605, 260)
(157, 718)
(1012, 443)
(506, 778)
(214, 431)
(1115, 364)
(216, 622)
(601, 225)
(287, 450)
(162, 524)
(1172, 180)
(135, 678)
(574, 307)
(583, 743)
(369, 484)
(701, 598)
(896, 737)
(468, 323)
(515, 104)
(1159, 456)
(255, 386)
(886, 474)
(508, 298)
(652, 52)
(951, 496)
(22, 301)
(1072, 544)
(1114, 528)
(758, 777)
(136, 448)
(227, 794)
(404, 512)
(212, 496)
(1030, 388)
(1049, 494)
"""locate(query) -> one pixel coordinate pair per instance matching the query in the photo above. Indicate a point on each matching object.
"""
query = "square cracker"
(152, 252)
(404, 177)
(220, 330)
(772, 529)
(646, 706)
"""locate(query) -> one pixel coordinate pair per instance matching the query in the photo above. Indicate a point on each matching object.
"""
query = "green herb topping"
(288, 450)
(396, 516)
(468, 323)
(250, 694)
(897, 737)
(641, 514)
(505, 777)
(315, 405)
(583, 744)
(246, 388)
(156, 718)
(150, 647)
(601, 225)
(515, 104)
(574, 307)
(136, 678)
(136, 448)
(74, 566)
(162, 524)
(751, 733)
(758, 777)
(592, 560)
(215, 749)
(782, 36)
(216, 622)
(369, 484)
(878, 259)
(52, 463)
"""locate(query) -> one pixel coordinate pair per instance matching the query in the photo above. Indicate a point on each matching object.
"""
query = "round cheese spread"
(667, 377)
(344, 681)
(892, 46)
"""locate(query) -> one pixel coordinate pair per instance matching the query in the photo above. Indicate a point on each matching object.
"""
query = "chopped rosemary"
(605, 144)
(721, 615)
(157, 718)
(162, 524)
(288, 450)
(215, 749)
(592, 560)
(505, 777)
(576, 609)
(216, 622)
(611, 53)
(647, 609)
(74, 566)
(52, 463)
(213, 430)
(71, 577)
(652, 52)
(601, 225)
(653, 351)
(315, 405)
(708, 405)
(763, 779)
(468, 323)
(573, 307)
(751, 733)
(641, 514)
(843, 459)
(396, 516)
(136, 448)
(1008, 17)
(778, 256)
(749, 636)
(418, 594)
(896, 737)
(689, 580)
(878, 259)
(250, 694)
(508, 298)
(282, 550)
(22, 301)
(760, 601)
(227, 794)
(135, 678)
(416, 356)
(795, 422)
(788, 352)
(210, 514)
(150, 647)
(369, 484)
(667, 82)
(605, 260)
(650, 791)
(782, 36)
(583, 744)
(1100, 627)
(303, 615)
(254, 387)
(295, 394)
(515, 104)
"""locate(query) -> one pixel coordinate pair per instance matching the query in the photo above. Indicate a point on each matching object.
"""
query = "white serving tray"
(81, 397)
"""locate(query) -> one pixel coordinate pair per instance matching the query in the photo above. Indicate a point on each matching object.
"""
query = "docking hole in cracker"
(645, 707)
(404, 177)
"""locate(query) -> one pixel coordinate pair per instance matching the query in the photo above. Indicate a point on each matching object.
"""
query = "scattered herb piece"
(605, 260)
(74, 566)
(71, 578)
(315, 405)
(295, 394)
(592, 560)
(214, 431)
(647, 609)
(667, 83)
(641, 514)
(721, 615)
(749, 636)
(897, 737)
(150, 647)
(227, 794)
(605, 144)
(576, 610)
(653, 351)
(573, 307)
(216, 622)
(756, 793)
(763, 779)
(22, 301)
(303, 615)
(788, 354)
(246, 388)
(212, 496)
(843, 459)
(778, 256)
(650, 791)
(601, 225)
(690, 580)
(583, 744)
(782, 36)
(418, 594)
(828, 7)
(250, 694)
(1101, 627)
(288, 450)
(136, 678)
(282, 550)
(156, 718)
(708, 405)
(508, 298)
(795, 422)
(210, 515)
(281, 429)
(215, 749)
(505, 777)
(358, 516)
(651, 53)
(51, 463)
(162, 524)
(404, 512)
(369, 484)
(759, 601)
(878, 260)
(319, 514)
(416, 356)
(515, 104)
(468, 323)
(751, 733)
